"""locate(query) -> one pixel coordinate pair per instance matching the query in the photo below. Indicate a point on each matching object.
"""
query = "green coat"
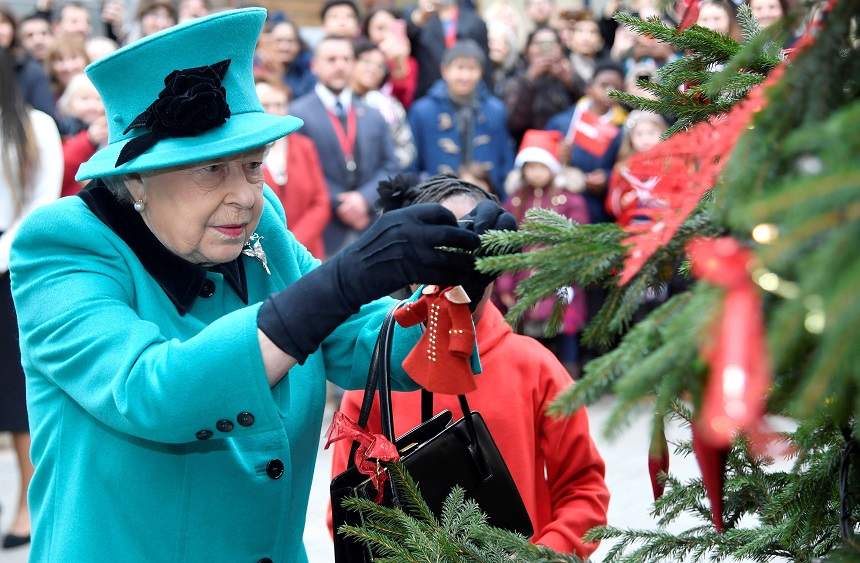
(120, 386)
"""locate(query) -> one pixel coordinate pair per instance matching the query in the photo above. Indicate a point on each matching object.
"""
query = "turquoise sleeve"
(80, 330)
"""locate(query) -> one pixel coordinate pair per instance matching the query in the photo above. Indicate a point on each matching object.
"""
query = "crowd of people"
(514, 99)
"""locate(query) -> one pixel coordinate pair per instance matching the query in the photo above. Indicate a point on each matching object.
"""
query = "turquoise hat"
(183, 95)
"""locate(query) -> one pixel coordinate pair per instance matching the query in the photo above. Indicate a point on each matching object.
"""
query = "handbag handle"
(379, 378)
(380, 351)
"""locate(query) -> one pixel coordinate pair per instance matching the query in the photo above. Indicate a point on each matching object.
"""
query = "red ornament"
(712, 462)
(736, 393)
(658, 462)
(372, 449)
(440, 362)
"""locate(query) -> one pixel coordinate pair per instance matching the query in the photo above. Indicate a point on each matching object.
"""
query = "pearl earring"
(139, 205)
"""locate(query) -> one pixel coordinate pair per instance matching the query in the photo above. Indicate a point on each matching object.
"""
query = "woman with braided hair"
(555, 464)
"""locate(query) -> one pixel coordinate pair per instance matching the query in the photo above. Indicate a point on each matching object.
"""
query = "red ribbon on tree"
(736, 394)
(372, 449)
(688, 10)
(684, 167)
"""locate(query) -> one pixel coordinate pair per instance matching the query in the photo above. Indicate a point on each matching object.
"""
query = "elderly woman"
(176, 338)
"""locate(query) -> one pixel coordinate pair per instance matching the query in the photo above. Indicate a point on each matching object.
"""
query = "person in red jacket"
(81, 104)
(292, 169)
(554, 462)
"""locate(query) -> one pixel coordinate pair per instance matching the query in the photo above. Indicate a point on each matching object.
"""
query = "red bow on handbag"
(372, 448)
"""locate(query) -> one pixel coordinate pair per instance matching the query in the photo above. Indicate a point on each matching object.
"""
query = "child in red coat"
(554, 462)
(628, 193)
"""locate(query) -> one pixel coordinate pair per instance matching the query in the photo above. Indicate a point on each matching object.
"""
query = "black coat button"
(265, 560)
(245, 418)
(275, 468)
(207, 289)
(224, 425)
(204, 434)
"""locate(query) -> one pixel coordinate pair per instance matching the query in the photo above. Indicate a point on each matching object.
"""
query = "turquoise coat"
(120, 386)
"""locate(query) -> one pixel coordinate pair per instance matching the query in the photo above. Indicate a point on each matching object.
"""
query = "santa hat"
(540, 146)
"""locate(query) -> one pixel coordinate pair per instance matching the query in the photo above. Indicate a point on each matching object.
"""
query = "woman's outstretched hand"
(419, 244)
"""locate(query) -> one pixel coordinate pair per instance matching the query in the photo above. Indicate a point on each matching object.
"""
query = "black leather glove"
(399, 249)
(486, 216)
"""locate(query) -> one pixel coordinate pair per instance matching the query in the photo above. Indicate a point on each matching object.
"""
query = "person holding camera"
(546, 88)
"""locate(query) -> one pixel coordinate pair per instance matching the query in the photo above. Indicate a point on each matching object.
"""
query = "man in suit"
(352, 139)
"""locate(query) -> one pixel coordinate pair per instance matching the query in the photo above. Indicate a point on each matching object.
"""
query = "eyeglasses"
(212, 174)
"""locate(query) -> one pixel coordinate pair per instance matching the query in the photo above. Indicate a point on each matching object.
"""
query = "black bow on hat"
(192, 102)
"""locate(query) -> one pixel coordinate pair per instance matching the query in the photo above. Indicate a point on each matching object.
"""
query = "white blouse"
(48, 181)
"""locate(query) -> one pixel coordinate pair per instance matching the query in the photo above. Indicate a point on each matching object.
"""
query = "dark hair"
(35, 16)
(329, 4)
(327, 38)
(147, 6)
(277, 18)
(404, 190)
(365, 23)
(18, 149)
(607, 65)
(575, 16)
(6, 14)
(58, 13)
(362, 45)
(531, 36)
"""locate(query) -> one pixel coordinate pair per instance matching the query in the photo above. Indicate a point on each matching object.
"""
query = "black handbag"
(438, 455)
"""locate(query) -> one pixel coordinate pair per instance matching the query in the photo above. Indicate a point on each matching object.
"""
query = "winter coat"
(438, 139)
(77, 149)
(299, 77)
(303, 193)
(564, 198)
(395, 116)
(148, 397)
(531, 103)
(553, 461)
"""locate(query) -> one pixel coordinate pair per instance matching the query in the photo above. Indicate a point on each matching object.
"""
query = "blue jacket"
(155, 434)
(437, 137)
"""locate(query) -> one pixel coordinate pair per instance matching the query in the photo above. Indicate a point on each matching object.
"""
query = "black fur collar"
(181, 280)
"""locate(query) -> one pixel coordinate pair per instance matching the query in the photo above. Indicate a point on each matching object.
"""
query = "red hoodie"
(554, 462)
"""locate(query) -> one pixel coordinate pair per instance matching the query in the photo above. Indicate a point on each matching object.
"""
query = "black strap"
(373, 374)
(426, 405)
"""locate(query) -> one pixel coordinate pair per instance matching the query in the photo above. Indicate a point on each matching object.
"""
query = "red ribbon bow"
(372, 448)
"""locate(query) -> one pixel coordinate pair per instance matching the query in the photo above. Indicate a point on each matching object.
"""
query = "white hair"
(75, 85)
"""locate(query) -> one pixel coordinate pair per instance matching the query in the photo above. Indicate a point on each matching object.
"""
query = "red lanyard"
(346, 138)
(451, 32)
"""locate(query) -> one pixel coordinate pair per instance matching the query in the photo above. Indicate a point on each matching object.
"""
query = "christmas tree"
(759, 182)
